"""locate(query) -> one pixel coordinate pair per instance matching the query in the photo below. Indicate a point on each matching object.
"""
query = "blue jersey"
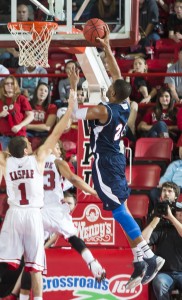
(105, 138)
(108, 169)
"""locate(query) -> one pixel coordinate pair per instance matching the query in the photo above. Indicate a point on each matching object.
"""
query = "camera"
(162, 207)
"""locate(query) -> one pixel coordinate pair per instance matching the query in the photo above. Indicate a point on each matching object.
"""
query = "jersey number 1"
(22, 189)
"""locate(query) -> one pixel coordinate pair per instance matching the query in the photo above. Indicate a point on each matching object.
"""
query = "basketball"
(94, 28)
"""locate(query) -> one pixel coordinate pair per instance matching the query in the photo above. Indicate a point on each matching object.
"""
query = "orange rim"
(27, 26)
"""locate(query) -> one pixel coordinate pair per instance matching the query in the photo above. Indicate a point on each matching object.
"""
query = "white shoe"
(98, 272)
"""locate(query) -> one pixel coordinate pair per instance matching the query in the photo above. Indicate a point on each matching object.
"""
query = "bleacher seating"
(143, 177)
(154, 150)
(138, 206)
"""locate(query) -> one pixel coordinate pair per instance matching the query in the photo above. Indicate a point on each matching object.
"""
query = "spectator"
(44, 112)
(165, 233)
(10, 56)
(64, 84)
(148, 21)
(175, 22)
(166, 7)
(28, 84)
(160, 121)
(142, 89)
(175, 82)
(15, 111)
(172, 174)
(3, 70)
(106, 10)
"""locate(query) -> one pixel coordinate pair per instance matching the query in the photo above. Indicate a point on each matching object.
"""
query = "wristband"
(81, 113)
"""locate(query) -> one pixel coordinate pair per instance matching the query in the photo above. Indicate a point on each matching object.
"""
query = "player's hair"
(172, 185)
(122, 89)
(16, 146)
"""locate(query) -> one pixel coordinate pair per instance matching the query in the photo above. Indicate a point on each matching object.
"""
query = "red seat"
(153, 150)
(143, 177)
(167, 48)
(138, 206)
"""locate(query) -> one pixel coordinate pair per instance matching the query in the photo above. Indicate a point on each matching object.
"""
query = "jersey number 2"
(22, 189)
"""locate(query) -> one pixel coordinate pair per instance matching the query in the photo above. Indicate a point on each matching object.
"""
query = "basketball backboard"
(71, 23)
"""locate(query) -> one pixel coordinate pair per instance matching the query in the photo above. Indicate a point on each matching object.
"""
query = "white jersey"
(53, 192)
(24, 182)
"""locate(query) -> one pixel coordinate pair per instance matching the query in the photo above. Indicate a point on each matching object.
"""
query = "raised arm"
(53, 138)
(112, 63)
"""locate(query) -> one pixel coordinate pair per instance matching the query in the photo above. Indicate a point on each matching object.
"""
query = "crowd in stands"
(30, 107)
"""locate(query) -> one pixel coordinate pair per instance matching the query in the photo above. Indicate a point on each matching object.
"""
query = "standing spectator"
(28, 84)
(142, 89)
(175, 22)
(64, 84)
(23, 224)
(165, 233)
(15, 111)
(160, 121)
(175, 82)
(44, 112)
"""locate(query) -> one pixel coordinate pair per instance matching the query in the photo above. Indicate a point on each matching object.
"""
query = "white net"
(33, 40)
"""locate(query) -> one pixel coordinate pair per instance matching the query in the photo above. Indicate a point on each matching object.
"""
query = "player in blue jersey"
(107, 122)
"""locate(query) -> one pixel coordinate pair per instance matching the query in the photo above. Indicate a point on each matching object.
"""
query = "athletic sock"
(87, 256)
(137, 254)
(146, 251)
(23, 297)
(37, 298)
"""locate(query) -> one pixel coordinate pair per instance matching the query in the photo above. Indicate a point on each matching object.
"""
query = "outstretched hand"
(105, 41)
(73, 75)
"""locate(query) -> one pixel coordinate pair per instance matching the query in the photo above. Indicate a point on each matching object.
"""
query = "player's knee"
(77, 243)
(129, 225)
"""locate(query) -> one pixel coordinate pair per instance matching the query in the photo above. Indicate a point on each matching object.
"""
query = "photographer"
(165, 233)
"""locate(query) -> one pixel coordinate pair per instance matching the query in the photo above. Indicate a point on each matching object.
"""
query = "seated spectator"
(160, 121)
(9, 56)
(175, 22)
(3, 70)
(175, 82)
(148, 21)
(142, 89)
(166, 7)
(106, 10)
(28, 84)
(44, 113)
(15, 111)
(64, 84)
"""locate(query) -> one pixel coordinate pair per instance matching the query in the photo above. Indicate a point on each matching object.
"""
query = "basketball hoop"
(33, 40)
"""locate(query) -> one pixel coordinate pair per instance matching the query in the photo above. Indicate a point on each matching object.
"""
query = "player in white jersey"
(22, 232)
(56, 213)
